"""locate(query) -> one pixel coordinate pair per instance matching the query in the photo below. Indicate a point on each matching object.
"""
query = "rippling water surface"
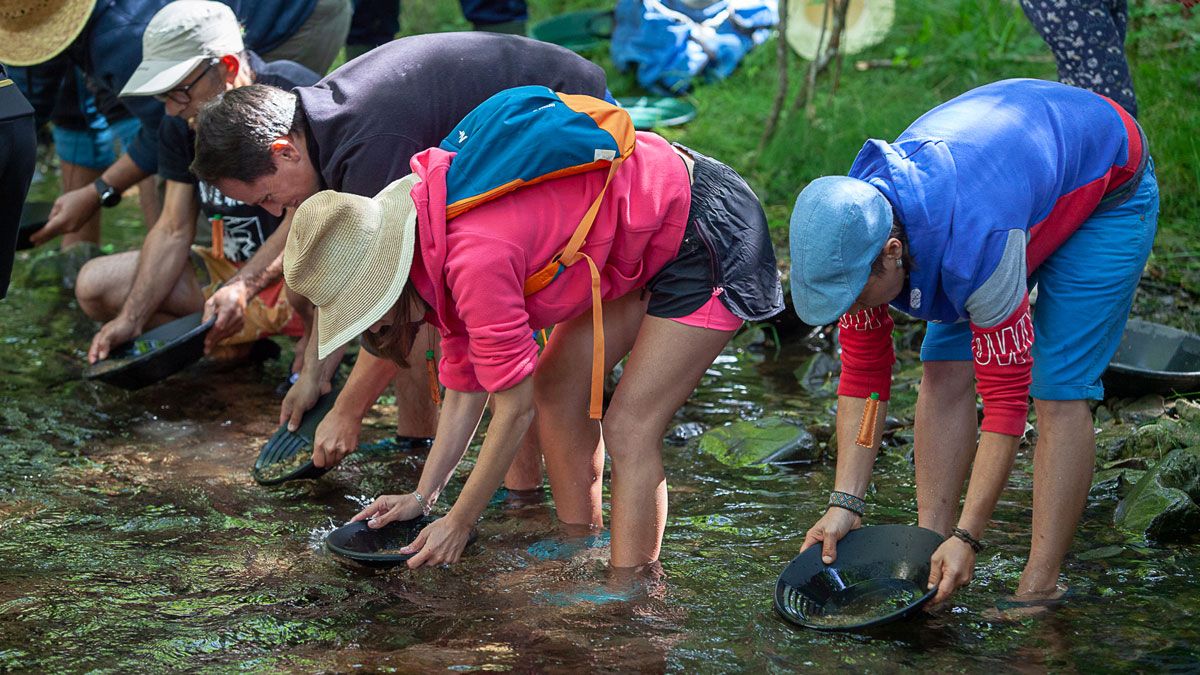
(133, 538)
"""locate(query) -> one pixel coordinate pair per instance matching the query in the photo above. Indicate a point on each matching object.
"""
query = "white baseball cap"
(180, 37)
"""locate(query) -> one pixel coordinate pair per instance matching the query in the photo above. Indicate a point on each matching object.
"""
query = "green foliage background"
(939, 48)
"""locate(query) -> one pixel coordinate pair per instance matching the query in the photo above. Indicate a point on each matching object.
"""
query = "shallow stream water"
(132, 538)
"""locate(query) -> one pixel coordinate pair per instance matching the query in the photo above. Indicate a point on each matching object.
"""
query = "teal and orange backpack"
(527, 135)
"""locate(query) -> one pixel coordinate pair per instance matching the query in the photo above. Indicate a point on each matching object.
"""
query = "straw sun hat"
(867, 24)
(34, 31)
(350, 256)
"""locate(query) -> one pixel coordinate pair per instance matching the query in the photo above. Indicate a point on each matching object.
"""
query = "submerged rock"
(764, 441)
(1163, 505)
(819, 375)
(685, 432)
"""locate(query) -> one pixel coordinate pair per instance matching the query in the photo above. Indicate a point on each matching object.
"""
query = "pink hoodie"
(471, 270)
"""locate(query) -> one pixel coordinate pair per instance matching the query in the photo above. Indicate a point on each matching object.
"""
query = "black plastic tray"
(33, 218)
(365, 546)
(1154, 358)
(879, 576)
(286, 445)
(155, 355)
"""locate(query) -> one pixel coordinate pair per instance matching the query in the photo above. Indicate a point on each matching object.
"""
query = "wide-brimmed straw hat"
(867, 24)
(35, 31)
(350, 256)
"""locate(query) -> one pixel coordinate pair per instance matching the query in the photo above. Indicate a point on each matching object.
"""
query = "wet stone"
(1110, 444)
(1145, 409)
(1160, 437)
(1162, 507)
(764, 441)
(685, 432)
(1188, 411)
(1115, 483)
(1102, 553)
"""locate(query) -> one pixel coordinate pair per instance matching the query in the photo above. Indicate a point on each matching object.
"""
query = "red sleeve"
(1004, 370)
(867, 353)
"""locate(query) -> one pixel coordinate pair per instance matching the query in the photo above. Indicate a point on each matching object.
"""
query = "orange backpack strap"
(569, 256)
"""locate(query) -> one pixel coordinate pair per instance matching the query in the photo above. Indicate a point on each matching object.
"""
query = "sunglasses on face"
(181, 93)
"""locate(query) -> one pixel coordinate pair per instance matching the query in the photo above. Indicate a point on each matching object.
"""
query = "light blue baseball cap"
(839, 226)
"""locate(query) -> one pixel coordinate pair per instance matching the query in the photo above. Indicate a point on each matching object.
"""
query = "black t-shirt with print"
(246, 227)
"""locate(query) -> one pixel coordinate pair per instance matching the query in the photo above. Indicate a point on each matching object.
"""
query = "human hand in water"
(337, 436)
(116, 332)
(301, 397)
(389, 508)
(829, 530)
(440, 543)
(951, 567)
(228, 305)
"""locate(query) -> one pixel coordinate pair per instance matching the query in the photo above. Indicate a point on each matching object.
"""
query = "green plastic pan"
(649, 112)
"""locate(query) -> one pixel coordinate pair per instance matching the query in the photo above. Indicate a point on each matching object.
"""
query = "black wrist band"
(845, 500)
(974, 543)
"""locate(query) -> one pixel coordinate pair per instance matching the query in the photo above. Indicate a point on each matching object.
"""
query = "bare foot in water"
(1023, 606)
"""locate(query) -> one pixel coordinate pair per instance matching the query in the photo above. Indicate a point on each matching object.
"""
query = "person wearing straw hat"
(193, 51)
(1012, 184)
(673, 287)
(355, 132)
(103, 38)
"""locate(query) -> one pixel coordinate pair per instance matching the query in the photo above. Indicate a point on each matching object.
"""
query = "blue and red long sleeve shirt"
(987, 186)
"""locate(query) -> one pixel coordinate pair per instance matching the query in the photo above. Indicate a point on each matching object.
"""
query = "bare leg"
(75, 176)
(416, 413)
(526, 470)
(104, 283)
(570, 441)
(944, 441)
(664, 367)
(1062, 474)
(304, 308)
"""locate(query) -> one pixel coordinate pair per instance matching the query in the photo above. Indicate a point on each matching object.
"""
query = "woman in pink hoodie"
(683, 254)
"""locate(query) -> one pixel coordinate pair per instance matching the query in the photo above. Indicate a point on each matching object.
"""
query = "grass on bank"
(943, 48)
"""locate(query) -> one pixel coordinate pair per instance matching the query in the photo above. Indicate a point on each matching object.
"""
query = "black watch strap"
(109, 196)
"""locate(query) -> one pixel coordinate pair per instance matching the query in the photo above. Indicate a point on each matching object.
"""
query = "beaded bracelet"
(845, 500)
(974, 543)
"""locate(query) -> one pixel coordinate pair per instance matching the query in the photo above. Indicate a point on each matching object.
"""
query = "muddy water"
(132, 537)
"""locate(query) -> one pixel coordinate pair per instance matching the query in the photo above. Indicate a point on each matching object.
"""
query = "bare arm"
(123, 173)
(164, 253)
(337, 435)
(854, 465)
(72, 208)
(442, 542)
(160, 262)
(228, 304)
(512, 414)
(953, 564)
(265, 267)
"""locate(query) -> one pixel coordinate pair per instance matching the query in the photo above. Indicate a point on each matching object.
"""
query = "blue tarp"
(671, 42)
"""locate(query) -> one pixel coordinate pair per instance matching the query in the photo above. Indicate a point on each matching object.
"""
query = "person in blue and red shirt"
(1010, 185)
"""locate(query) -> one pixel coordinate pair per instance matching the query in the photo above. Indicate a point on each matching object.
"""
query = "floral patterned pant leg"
(1088, 41)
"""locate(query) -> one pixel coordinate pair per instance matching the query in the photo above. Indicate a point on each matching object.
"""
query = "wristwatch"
(109, 195)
